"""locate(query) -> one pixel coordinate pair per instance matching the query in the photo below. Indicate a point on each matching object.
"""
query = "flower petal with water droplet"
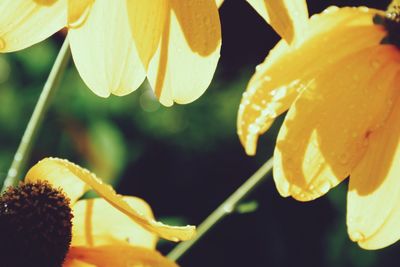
(117, 256)
(315, 145)
(374, 193)
(288, 69)
(98, 223)
(173, 233)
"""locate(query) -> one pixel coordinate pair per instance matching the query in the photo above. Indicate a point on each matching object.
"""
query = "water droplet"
(228, 208)
(375, 64)
(325, 187)
(174, 239)
(12, 172)
(267, 78)
(331, 9)
(256, 107)
(356, 236)
(254, 129)
(344, 158)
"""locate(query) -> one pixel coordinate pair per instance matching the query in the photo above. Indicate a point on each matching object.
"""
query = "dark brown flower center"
(35, 226)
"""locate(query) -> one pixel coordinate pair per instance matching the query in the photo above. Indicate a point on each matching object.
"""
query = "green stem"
(25, 146)
(226, 208)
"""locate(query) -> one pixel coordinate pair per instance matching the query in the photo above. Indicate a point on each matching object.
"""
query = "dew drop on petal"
(375, 64)
(324, 188)
(356, 236)
(344, 158)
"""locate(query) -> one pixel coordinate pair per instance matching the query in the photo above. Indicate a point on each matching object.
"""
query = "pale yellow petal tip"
(173, 233)
(250, 147)
(362, 241)
(371, 242)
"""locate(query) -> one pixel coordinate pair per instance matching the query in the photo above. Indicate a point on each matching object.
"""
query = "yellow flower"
(113, 230)
(287, 17)
(339, 82)
(115, 44)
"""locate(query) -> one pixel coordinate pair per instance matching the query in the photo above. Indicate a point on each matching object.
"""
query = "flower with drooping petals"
(112, 230)
(115, 44)
(338, 79)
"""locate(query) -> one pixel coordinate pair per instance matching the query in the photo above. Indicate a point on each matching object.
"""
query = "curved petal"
(103, 48)
(26, 22)
(78, 11)
(53, 171)
(97, 223)
(186, 59)
(325, 132)
(373, 212)
(119, 256)
(62, 166)
(147, 21)
(287, 17)
(288, 69)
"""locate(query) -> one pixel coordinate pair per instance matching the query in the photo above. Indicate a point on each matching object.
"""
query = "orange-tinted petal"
(26, 22)
(119, 256)
(373, 212)
(186, 59)
(325, 132)
(55, 172)
(288, 69)
(288, 18)
(97, 223)
(61, 166)
(76, 263)
(104, 51)
(147, 20)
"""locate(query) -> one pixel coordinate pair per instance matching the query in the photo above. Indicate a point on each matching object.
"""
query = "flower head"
(115, 44)
(339, 82)
(44, 219)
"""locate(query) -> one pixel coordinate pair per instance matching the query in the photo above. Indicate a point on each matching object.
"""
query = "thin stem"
(227, 207)
(25, 146)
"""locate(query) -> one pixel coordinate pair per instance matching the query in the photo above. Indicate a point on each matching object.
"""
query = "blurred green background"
(186, 160)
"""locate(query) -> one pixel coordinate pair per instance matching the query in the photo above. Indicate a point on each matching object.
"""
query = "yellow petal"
(373, 212)
(78, 11)
(119, 256)
(103, 49)
(97, 223)
(288, 18)
(288, 69)
(186, 59)
(147, 20)
(325, 132)
(53, 171)
(26, 22)
(173, 233)
(219, 2)
(76, 263)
